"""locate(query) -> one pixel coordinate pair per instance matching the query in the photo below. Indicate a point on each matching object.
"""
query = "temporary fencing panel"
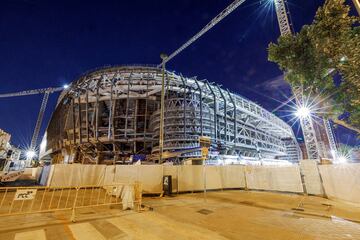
(214, 178)
(185, 177)
(36, 173)
(233, 176)
(109, 174)
(27, 200)
(342, 181)
(274, 178)
(45, 175)
(65, 175)
(191, 178)
(126, 173)
(151, 178)
(149, 175)
(310, 172)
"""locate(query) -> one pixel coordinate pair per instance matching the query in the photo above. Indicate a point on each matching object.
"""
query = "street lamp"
(162, 109)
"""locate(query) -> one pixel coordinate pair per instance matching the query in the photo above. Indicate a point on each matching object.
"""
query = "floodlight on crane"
(30, 154)
(303, 112)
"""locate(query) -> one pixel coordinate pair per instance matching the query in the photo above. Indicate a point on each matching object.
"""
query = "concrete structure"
(8, 152)
(114, 112)
(4, 143)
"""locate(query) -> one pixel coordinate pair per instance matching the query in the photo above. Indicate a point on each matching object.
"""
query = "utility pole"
(162, 109)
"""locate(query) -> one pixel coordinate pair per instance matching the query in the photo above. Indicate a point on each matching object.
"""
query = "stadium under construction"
(112, 114)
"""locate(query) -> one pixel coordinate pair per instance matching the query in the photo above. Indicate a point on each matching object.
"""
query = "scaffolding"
(114, 112)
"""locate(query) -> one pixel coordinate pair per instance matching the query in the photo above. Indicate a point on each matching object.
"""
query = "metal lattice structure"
(46, 92)
(31, 92)
(39, 121)
(229, 9)
(317, 143)
(116, 111)
(282, 17)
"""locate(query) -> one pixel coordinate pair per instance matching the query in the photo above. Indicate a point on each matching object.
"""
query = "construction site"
(144, 152)
(113, 113)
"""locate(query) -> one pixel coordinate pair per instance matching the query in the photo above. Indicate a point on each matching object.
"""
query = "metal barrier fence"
(28, 200)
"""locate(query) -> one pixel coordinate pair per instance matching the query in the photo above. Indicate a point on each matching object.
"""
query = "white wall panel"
(310, 172)
(274, 178)
(342, 181)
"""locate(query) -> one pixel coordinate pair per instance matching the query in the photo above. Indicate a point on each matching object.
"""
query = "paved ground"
(225, 215)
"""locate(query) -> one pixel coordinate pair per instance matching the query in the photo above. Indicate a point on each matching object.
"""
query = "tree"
(324, 58)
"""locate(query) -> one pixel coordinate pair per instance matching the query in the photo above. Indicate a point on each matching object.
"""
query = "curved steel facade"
(115, 111)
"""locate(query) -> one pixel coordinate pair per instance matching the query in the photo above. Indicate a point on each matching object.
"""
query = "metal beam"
(38, 124)
(201, 107)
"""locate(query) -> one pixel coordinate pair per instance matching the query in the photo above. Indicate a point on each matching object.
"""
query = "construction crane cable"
(229, 9)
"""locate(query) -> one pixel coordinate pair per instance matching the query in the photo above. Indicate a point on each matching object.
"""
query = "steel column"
(73, 119)
(235, 115)
(184, 102)
(87, 114)
(162, 108)
(80, 118)
(127, 105)
(225, 112)
(110, 110)
(201, 106)
(97, 110)
(215, 109)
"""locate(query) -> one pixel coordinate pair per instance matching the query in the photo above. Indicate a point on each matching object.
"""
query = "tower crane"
(313, 146)
(46, 92)
(357, 5)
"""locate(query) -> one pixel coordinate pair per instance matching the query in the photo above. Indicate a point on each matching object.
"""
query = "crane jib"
(32, 92)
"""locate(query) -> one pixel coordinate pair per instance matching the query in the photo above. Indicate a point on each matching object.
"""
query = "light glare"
(303, 112)
(30, 154)
(342, 159)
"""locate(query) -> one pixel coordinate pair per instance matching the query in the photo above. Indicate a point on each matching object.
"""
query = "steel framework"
(318, 145)
(116, 111)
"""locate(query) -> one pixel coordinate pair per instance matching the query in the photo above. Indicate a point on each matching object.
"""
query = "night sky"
(50, 43)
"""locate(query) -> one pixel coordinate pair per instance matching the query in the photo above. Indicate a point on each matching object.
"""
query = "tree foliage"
(321, 53)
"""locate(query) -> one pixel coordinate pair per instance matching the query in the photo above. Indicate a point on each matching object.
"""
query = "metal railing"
(28, 200)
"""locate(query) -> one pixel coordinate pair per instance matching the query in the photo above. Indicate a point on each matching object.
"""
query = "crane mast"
(46, 92)
(282, 17)
(39, 121)
(314, 149)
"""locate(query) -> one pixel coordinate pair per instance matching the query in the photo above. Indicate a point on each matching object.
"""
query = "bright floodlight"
(66, 86)
(302, 112)
(342, 159)
(30, 154)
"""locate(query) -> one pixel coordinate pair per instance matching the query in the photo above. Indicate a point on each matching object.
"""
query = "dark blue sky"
(50, 43)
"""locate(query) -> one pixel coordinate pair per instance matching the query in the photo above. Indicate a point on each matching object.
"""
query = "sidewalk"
(224, 215)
